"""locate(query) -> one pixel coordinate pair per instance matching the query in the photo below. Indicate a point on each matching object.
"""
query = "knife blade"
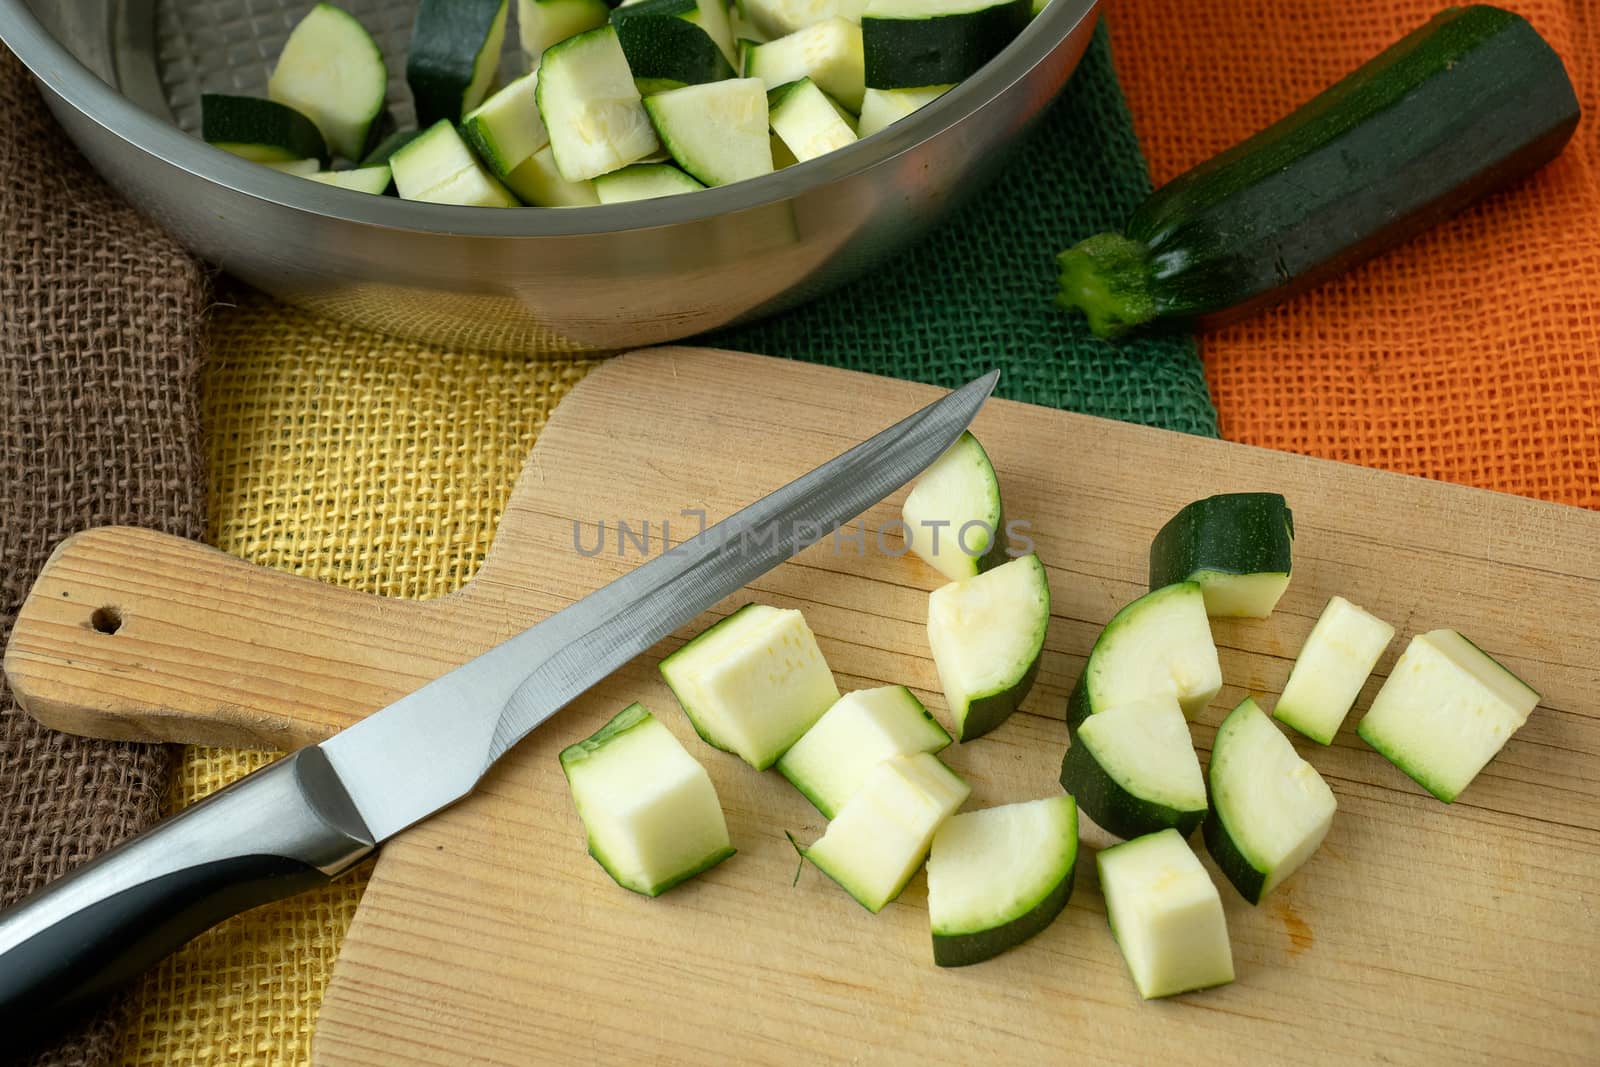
(313, 814)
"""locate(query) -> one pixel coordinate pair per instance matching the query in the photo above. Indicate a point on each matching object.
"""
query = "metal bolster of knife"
(279, 831)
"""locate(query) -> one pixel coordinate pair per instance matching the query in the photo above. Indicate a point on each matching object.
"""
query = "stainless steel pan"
(124, 78)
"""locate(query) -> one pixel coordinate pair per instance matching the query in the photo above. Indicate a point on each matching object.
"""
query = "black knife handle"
(274, 833)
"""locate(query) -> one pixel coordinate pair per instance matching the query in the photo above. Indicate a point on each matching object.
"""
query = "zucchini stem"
(1107, 277)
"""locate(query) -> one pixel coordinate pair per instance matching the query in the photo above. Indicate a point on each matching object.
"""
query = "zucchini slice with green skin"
(1166, 915)
(953, 514)
(332, 71)
(987, 635)
(907, 44)
(753, 683)
(542, 23)
(772, 19)
(372, 180)
(1446, 709)
(1134, 771)
(884, 107)
(809, 122)
(1159, 645)
(860, 731)
(643, 181)
(591, 106)
(262, 131)
(828, 52)
(1469, 103)
(455, 51)
(538, 181)
(881, 836)
(1238, 546)
(649, 808)
(1270, 808)
(387, 147)
(439, 168)
(1333, 665)
(999, 876)
(716, 131)
(667, 47)
(506, 130)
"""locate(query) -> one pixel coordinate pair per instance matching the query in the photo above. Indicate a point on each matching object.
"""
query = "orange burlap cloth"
(1472, 354)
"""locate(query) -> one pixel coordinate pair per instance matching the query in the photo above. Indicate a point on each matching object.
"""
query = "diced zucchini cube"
(1445, 711)
(650, 809)
(1166, 915)
(753, 683)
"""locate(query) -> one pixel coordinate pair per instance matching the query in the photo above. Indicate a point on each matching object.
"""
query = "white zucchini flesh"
(754, 683)
(643, 181)
(829, 53)
(650, 809)
(881, 836)
(1446, 709)
(1333, 665)
(1158, 645)
(591, 106)
(717, 131)
(439, 168)
(953, 514)
(884, 107)
(538, 181)
(332, 71)
(373, 180)
(998, 876)
(860, 731)
(1166, 915)
(809, 123)
(1145, 747)
(542, 23)
(777, 18)
(506, 130)
(1272, 807)
(986, 635)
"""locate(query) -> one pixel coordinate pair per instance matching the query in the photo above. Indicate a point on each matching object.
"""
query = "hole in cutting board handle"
(107, 620)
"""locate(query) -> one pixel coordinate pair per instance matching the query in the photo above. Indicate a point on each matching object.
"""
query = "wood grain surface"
(1419, 933)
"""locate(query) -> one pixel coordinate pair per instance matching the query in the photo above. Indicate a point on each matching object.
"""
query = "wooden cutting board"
(1420, 933)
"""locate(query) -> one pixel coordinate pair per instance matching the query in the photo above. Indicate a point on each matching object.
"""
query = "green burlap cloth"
(976, 292)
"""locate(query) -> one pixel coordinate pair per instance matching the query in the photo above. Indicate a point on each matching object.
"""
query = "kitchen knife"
(306, 818)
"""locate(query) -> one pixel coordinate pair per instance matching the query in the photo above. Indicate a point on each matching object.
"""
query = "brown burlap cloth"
(100, 321)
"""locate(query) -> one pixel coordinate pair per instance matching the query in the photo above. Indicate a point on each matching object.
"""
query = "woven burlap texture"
(381, 465)
(976, 292)
(368, 463)
(1472, 354)
(100, 317)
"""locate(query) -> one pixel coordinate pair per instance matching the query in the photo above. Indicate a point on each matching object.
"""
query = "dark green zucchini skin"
(910, 53)
(250, 120)
(963, 950)
(1234, 533)
(1113, 808)
(986, 713)
(664, 47)
(1230, 861)
(445, 41)
(1468, 103)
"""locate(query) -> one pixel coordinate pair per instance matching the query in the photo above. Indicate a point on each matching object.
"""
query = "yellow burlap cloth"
(369, 463)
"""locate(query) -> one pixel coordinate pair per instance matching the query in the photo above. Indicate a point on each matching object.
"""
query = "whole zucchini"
(1471, 101)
